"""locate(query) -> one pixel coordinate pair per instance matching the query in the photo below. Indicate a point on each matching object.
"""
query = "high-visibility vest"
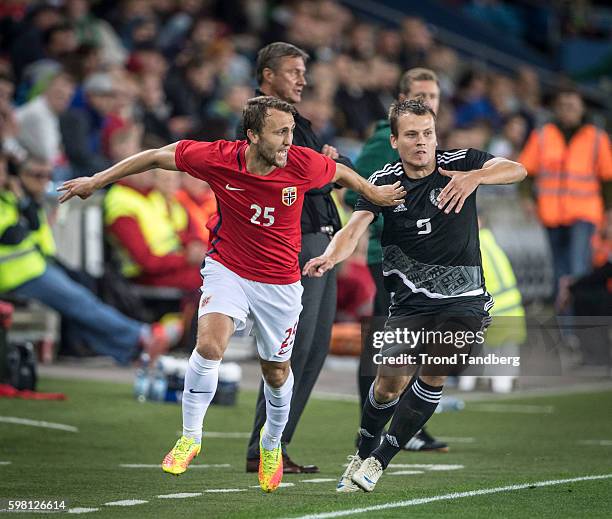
(158, 223)
(27, 260)
(508, 314)
(568, 175)
(198, 213)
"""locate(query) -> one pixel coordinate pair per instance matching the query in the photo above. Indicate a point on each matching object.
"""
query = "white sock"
(278, 403)
(200, 385)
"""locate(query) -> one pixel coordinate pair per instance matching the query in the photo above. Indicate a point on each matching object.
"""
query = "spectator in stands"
(59, 42)
(198, 199)
(177, 28)
(509, 142)
(27, 46)
(591, 295)
(502, 96)
(231, 68)
(91, 30)
(82, 63)
(145, 241)
(323, 79)
(356, 98)
(389, 45)
(568, 159)
(445, 63)
(154, 111)
(529, 96)
(229, 108)
(39, 123)
(164, 197)
(146, 58)
(508, 329)
(472, 101)
(362, 42)
(145, 234)
(82, 127)
(320, 113)
(417, 42)
(29, 271)
(9, 128)
(190, 91)
(126, 95)
(387, 77)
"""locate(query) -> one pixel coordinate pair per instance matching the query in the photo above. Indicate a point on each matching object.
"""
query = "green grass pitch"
(512, 447)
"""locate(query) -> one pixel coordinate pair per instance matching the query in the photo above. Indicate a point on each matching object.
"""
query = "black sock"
(373, 420)
(411, 413)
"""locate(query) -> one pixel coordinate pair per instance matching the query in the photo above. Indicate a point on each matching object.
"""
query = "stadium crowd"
(85, 84)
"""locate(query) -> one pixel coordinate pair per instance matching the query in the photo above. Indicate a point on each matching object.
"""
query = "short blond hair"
(416, 74)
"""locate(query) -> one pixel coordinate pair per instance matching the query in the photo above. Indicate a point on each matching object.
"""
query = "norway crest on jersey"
(289, 195)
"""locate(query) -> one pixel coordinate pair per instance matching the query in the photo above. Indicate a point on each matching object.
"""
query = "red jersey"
(257, 235)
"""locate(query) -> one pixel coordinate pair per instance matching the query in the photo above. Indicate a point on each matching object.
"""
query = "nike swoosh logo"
(230, 188)
(196, 392)
(277, 406)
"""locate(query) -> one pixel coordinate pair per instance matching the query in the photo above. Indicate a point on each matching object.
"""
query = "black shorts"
(438, 343)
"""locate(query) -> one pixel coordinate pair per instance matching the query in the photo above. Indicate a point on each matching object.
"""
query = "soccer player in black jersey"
(432, 268)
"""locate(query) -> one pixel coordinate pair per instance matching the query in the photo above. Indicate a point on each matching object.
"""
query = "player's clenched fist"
(318, 266)
(82, 187)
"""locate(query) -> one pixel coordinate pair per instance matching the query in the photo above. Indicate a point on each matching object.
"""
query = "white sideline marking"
(405, 472)
(126, 502)
(426, 466)
(231, 435)
(603, 443)
(181, 495)
(317, 480)
(459, 439)
(158, 466)
(211, 434)
(5, 462)
(283, 484)
(38, 423)
(454, 495)
(218, 490)
(82, 510)
(511, 408)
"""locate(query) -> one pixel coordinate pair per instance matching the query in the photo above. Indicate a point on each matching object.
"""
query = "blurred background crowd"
(84, 84)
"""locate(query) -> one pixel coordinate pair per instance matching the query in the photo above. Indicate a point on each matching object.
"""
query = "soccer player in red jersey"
(252, 266)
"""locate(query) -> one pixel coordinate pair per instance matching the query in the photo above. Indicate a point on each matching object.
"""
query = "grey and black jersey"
(430, 259)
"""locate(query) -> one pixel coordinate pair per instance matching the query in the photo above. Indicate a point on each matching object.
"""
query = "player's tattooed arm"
(379, 195)
(83, 187)
(463, 183)
(342, 245)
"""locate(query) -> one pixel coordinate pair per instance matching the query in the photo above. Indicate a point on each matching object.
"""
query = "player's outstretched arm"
(342, 245)
(379, 195)
(463, 183)
(502, 171)
(83, 187)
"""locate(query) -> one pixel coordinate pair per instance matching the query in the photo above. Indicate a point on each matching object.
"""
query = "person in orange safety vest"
(569, 161)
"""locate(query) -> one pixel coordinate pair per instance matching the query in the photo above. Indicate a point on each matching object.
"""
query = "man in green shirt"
(416, 83)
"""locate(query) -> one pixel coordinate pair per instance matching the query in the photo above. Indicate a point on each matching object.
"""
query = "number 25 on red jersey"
(266, 219)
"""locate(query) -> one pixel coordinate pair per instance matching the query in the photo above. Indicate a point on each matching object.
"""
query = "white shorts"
(274, 309)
